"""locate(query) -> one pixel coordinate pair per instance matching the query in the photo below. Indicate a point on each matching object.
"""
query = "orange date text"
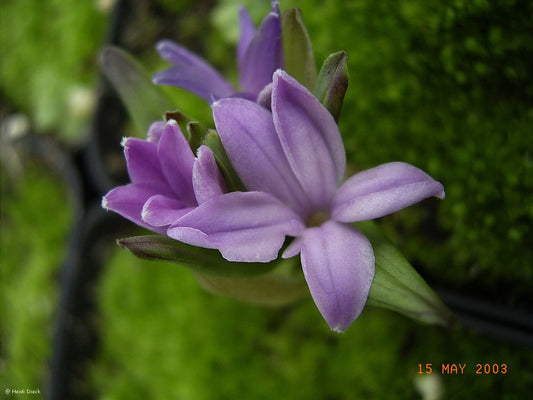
(463, 368)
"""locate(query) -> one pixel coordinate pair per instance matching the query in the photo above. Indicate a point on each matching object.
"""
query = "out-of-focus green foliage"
(49, 56)
(36, 217)
(166, 338)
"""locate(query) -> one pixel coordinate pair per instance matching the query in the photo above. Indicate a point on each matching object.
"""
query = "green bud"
(200, 260)
(397, 286)
(297, 49)
(144, 101)
(233, 182)
(332, 83)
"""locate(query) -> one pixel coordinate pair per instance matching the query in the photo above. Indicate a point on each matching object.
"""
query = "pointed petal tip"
(216, 104)
(145, 212)
(104, 203)
(155, 79)
(275, 7)
(212, 99)
(383, 190)
(282, 77)
(293, 249)
(339, 264)
(279, 74)
(124, 141)
(162, 44)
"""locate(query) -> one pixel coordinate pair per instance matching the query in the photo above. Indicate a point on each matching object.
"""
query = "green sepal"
(233, 182)
(180, 118)
(297, 48)
(144, 101)
(203, 261)
(332, 83)
(196, 132)
(397, 286)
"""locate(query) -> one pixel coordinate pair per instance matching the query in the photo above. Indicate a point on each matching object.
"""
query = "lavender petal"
(243, 226)
(177, 159)
(338, 265)
(129, 200)
(263, 55)
(190, 72)
(162, 211)
(250, 140)
(155, 131)
(382, 190)
(142, 161)
(248, 31)
(207, 179)
(310, 139)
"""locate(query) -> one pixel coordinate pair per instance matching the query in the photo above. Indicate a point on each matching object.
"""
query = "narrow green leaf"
(332, 83)
(232, 179)
(204, 261)
(144, 101)
(297, 48)
(397, 286)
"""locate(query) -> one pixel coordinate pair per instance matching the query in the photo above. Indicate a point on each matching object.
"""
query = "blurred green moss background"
(444, 85)
(49, 53)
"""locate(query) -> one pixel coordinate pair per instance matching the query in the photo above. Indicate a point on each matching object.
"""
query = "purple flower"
(259, 54)
(167, 181)
(292, 160)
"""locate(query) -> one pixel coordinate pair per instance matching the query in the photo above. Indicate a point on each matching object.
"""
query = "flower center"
(317, 219)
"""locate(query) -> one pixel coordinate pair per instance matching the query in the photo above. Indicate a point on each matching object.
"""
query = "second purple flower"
(259, 54)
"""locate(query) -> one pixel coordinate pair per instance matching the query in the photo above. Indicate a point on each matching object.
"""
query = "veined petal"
(142, 161)
(382, 190)
(243, 226)
(263, 55)
(190, 72)
(310, 139)
(177, 159)
(129, 200)
(207, 179)
(163, 211)
(338, 265)
(248, 136)
(247, 33)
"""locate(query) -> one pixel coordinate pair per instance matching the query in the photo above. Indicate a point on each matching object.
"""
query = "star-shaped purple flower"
(292, 161)
(259, 54)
